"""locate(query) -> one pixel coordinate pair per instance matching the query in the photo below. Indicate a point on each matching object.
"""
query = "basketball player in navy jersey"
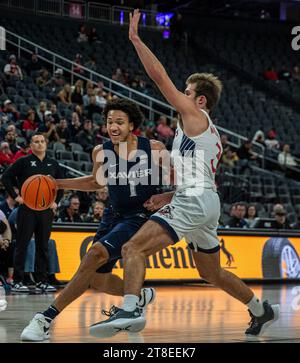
(125, 162)
(193, 210)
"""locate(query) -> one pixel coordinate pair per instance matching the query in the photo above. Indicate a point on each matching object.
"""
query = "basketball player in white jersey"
(193, 211)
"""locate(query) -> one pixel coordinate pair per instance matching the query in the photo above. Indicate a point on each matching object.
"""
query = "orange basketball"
(38, 192)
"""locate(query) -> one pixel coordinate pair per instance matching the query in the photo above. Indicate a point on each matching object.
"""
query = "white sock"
(256, 306)
(130, 302)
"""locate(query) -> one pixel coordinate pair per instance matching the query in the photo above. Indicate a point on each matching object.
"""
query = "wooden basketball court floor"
(180, 314)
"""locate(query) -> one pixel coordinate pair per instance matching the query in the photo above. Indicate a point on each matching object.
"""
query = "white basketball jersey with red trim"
(196, 158)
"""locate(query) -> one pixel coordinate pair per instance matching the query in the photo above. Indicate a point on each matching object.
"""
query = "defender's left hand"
(133, 26)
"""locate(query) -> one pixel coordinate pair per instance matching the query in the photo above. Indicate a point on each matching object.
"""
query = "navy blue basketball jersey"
(129, 181)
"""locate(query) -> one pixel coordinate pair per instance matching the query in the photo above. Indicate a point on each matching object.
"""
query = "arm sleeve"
(9, 178)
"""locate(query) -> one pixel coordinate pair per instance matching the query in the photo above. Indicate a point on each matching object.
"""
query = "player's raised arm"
(155, 70)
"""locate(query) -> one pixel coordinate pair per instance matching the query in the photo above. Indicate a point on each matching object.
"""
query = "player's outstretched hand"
(134, 24)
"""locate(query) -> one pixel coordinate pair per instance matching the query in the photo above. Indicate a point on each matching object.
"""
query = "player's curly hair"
(131, 109)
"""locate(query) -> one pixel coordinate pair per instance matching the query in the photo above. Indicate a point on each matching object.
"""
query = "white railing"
(152, 107)
(99, 12)
(83, 11)
(49, 7)
(74, 171)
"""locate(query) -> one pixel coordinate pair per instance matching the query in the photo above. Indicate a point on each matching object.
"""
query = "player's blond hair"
(207, 85)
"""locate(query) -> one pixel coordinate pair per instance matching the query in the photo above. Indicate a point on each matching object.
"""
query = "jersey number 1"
(132, 189)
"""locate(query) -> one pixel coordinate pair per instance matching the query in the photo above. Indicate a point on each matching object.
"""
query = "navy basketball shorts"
(115, 234)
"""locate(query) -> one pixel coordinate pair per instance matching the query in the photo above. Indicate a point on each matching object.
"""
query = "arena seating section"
(246, 106)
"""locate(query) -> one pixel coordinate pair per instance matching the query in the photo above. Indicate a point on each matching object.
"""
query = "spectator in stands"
(224, 142)
(8, 205)
(11, 139)
(89, 84)
(12, 70)
(93, 36)
(6, 155)
(271, 74)
(75, 127)
(163, 129)
(80, 113)
(100, 97)
(87, 97)
(285, 158)
(63, 132)
(245, 155)
(86, 137)
(82, 34)
(8, 113)
(24, 150)
(229, 158)
(138, 83)
(98, 209)
(296, 73)
(92, 108)
(271, 141)
(30, 122)
(259, 137)
(77, 94)
(280, 218)
(57, 81)
(40, 112)
(103, 131)
(43, 79)
(284, 74)
(77, 67)
(251, 215)
(70, 213)
(238, 219)
(92, 65)
(49, 128)
(127, 78)
(118, 76)
(34, 66)
(64, 95)
(102, 196)
(55, 113)
(12, 128)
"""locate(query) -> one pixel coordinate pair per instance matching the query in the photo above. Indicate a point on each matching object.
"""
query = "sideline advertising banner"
(249, 257)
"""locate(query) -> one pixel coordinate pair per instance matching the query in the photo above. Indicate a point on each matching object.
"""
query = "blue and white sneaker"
(44, 287)
(19, 288)
(119, 320)
(258, 324)
(37, 330)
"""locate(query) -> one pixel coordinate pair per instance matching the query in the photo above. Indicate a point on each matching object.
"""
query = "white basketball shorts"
(193, 216)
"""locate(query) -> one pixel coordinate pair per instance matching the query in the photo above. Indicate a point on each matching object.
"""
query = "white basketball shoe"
(37, 330)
